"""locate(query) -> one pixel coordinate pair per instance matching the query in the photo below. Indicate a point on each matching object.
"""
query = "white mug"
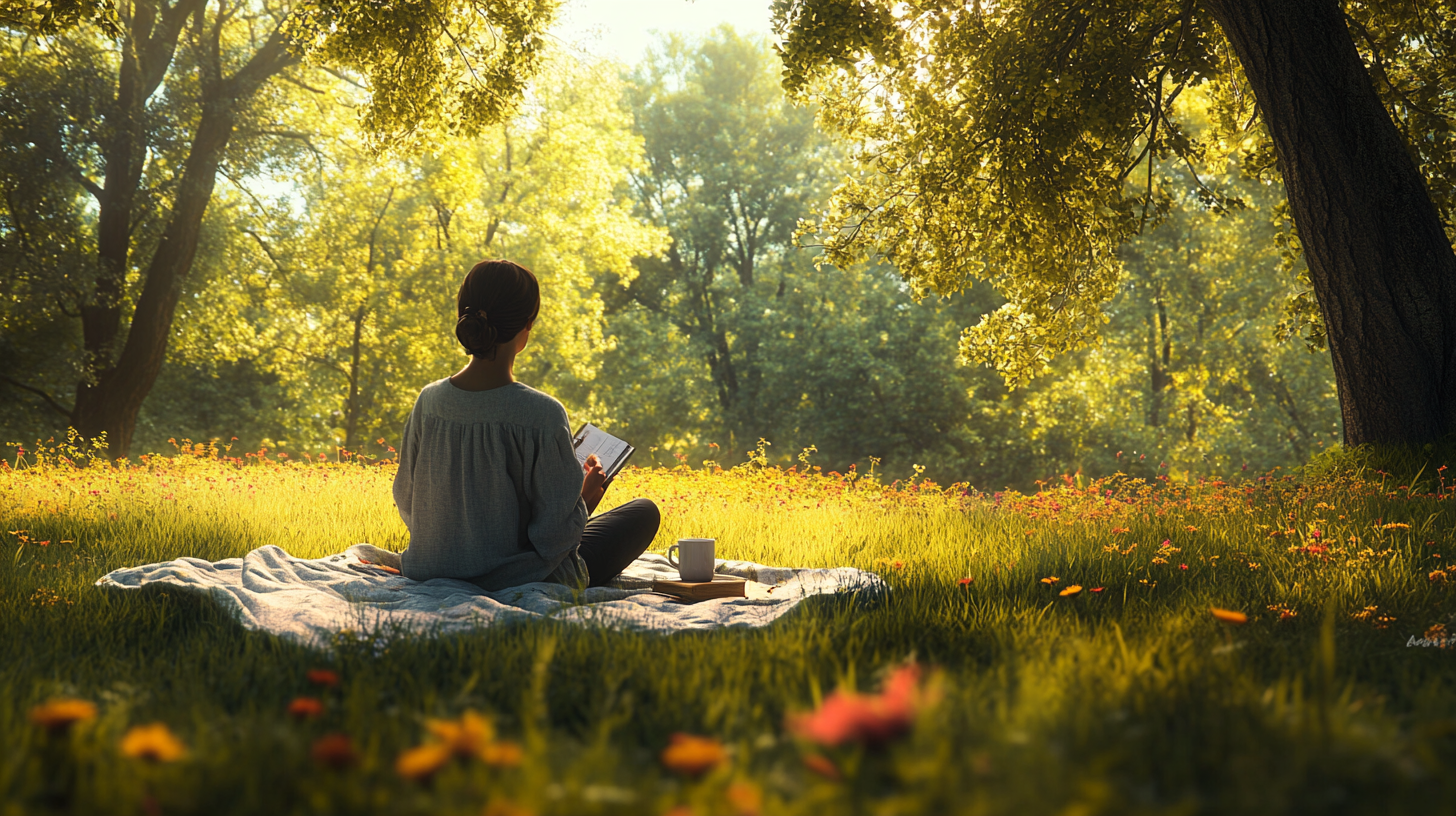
(697, 559)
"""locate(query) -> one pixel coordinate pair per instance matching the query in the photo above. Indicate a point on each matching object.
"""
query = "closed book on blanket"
(722, 586)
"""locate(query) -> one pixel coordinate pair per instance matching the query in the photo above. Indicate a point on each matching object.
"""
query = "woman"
(488, 483)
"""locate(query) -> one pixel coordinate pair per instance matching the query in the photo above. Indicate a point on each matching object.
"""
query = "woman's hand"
(593, 483)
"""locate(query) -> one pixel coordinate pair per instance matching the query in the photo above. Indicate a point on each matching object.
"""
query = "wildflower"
(1395, 525)
(1229, 616)
(822, 765)
(334, 751)
(1190, 528)
(1070, 591)
(1121, 530)
(502, 754)
(1182, 566)
(505, 807)
(1098, 589)
(323, 677)
(1050, 579)
(1437, 577)
(153, 742)
(305, 708)
(422, 763)
(745, 798)
(466, 736)
(60, 713)
(872, 719)
(1285, 613)
(966, 582)
(691, 755)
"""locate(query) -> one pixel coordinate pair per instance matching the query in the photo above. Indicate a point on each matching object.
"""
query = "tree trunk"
(1382, 267)
(109, 399)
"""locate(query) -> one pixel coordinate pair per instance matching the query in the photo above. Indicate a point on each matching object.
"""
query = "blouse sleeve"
(558, 513)
(409, 452)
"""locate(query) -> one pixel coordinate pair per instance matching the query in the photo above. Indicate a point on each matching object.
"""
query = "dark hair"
(497, 300)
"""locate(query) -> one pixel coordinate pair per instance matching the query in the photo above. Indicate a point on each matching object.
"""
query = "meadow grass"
(1127, 696)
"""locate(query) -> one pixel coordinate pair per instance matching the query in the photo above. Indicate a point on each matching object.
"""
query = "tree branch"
(59, 408)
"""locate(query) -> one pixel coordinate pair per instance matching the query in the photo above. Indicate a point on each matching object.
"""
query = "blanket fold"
(311, 601)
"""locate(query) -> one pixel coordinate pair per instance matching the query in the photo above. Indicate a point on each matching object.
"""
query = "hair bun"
(475, 333)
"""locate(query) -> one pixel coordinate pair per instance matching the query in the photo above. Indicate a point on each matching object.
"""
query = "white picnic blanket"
(311, 601)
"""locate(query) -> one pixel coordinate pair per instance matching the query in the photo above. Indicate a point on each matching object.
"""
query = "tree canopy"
(1020, 144)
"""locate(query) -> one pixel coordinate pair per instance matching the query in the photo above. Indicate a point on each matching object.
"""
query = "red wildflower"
(334, 751)
(323, 677)
(305, 708)
(872, 719)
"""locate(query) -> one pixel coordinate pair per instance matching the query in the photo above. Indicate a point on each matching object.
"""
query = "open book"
(611, 451)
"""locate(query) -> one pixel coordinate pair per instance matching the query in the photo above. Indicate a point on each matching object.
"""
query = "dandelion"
(334, 751)
(1070, 591)
(691, 755)
(153, 742)
(323, 677)
(422, 763)
(305, 708)
(1229, 616)
(60, 713)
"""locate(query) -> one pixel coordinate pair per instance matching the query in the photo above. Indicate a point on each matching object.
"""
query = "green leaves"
(432, 66)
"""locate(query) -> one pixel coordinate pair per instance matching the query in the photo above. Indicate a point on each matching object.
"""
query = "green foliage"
(451, 66)
(50, 17)
(1022, 143)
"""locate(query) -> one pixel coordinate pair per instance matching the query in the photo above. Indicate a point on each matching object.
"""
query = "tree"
(167, 102)
(1017, 143)
(730, 167)
(345, 292)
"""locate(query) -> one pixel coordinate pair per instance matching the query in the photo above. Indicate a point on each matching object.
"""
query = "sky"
(623, 28)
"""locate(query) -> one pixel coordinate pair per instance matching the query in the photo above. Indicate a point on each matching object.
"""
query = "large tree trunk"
(110, 397)
(1382, 267)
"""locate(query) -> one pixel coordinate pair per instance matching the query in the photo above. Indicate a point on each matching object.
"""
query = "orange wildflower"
(323, 677)
(465, 736)
(505, 807)
(1070, 591)
(1437, 577)
(153, 742)
(421, 763)
(691, 755)
(334, 751)
(305, 708)
(745, 798)
(1229, 616)
(1049, 580)
(502, 754)
(60, 713)
(822, 765)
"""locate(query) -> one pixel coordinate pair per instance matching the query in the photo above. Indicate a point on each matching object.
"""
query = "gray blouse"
(490, 489)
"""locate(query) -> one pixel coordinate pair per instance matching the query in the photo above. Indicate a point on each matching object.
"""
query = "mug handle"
(669, 556)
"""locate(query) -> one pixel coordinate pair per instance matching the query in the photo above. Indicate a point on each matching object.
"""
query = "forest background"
(659, 203)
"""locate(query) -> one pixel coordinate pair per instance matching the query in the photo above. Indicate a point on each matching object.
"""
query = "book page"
(609, 449)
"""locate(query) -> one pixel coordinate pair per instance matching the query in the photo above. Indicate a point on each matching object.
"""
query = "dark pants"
(615, 538)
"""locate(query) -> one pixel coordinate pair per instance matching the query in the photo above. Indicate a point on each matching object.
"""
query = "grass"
(1131, 699)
